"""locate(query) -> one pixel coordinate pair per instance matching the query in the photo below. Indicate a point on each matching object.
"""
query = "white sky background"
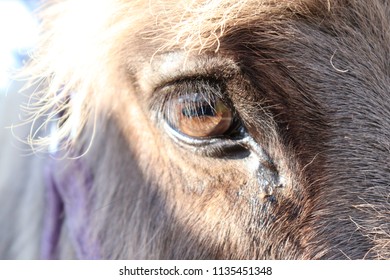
(18, 32)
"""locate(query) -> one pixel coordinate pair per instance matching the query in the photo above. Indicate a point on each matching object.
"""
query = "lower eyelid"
(210, 147)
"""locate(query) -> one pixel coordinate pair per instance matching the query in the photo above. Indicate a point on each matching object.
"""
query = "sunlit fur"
(309, 78)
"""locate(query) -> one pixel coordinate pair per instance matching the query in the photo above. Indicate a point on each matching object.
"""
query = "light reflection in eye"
(197, 116)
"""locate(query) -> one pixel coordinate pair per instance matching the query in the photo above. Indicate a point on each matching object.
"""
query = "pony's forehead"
(198, 25)
(189, 24)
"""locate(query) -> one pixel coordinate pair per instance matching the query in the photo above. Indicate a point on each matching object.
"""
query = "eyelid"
(171, 67)
(201, 142)
(207, 87)
(184, 85)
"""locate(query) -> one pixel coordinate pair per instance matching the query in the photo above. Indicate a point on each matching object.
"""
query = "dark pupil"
(201, 110)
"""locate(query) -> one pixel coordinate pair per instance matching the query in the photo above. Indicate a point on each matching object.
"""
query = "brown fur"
(310, 80)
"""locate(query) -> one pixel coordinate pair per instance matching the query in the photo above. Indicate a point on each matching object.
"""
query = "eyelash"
(209, 89)
(203, 89)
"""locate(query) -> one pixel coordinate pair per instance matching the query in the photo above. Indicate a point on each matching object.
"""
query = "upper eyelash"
(207, 89)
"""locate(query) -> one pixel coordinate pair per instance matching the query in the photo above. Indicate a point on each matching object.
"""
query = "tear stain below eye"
(268, 180)
(266, 175)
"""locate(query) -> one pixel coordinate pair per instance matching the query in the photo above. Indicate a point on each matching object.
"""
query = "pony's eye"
(198, 112)
(198, 116)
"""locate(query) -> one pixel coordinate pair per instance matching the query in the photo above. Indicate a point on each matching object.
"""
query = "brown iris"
(198, 116)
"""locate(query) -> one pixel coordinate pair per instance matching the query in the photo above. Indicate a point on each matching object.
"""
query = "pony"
(235, 129)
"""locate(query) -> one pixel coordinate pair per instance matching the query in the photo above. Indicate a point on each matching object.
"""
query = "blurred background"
(18, 33)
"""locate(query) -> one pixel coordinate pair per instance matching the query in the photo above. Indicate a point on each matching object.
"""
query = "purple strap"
(53, 218)
(68, 201)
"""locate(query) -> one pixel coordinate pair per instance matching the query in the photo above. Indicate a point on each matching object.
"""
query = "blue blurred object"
(18, 33)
